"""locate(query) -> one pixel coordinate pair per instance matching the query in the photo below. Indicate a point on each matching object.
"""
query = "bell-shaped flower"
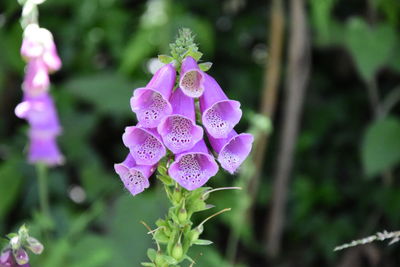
(233, 150)
(193, 168)
(43, 148)
(40, 112)
(192, 78)
(36, 81)
(135, 177)
(179, 130)
(219, 114)
(7, 259)
(144, 144)
(151, 103)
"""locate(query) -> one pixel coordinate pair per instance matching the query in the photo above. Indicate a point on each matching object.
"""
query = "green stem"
(43, 189)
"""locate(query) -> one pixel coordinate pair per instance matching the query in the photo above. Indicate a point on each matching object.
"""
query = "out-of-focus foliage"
(107, 47)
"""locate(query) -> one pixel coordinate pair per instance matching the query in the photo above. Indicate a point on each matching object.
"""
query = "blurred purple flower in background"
(39, 50)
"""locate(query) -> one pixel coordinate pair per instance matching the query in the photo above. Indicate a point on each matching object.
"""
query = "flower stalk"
(176, 233)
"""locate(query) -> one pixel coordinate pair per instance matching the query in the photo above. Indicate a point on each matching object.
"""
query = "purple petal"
(182, 104)
(135, 177)
(151, 102)
(219, 114)
(192, 169)
(179, 131)
(44, 149)
(40, 112)
(192, 78)
(36, 79)
(144, 144)
(233, 150)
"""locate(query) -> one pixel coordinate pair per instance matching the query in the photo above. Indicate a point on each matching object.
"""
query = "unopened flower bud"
(21, 256)
(177, 251)
(182, 216)
(177, 196)
(34, 245)
(195, 233)
(159, 261)
(15, 242)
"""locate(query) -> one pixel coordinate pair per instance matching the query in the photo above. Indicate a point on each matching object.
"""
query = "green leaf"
(165, 59)
(205, 66)
(202, 242)
(161, 237)
(368, 53)
(151, 253)
(165, 179)
(194, 54)
(108, 92)
(381, 146)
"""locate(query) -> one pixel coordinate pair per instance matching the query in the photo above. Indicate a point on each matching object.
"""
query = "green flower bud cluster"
(176, 233)
(184, 46)
(19, 242)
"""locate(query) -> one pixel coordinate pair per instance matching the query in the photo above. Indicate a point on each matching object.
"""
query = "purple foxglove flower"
(36, 79)
(145, 145)
(179, 130)
(135, 177)
(151, 103)
(192, 78)
(43, 148)
(219, 114)
(233, 150)
(193, 168)
(40, 113)
(7, 260)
